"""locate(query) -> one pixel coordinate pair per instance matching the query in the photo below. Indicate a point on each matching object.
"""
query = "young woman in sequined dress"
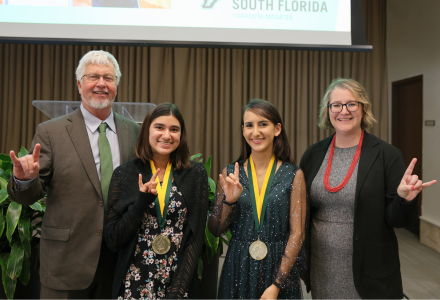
(250, 272)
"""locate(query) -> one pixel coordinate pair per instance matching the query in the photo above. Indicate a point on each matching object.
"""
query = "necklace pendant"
(258, 250)
(161, 244)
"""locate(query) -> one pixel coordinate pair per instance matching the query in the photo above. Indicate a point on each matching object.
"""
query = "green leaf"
(200, 268)
(3, 195)
(195, 156)
(37, 206)
(3, 183)
(12, 216)
(5, 162)
(220, 249)
(226, 237)
(6, 174)
(15, 261)
(25, 235)
(211, 244)
(208, 165)
(5, 157)
(210, 255)
(31, 232)
(224, 241)
(22, 152)
(211, 239)
(8, 283)
(2, 221)
(212, 189)
(43, 205)
(26, 270)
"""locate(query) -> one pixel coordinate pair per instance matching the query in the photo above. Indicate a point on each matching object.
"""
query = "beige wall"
(413, 48)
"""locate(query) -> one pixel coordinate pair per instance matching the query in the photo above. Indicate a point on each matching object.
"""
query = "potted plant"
(19, 227)
(213, 248)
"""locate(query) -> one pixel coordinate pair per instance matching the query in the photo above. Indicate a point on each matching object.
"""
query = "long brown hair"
(281, 147)
(180, 157)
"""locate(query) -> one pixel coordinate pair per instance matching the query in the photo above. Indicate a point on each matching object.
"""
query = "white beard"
(99, 104)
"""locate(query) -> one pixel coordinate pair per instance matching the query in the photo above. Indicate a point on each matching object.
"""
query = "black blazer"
(378, 208)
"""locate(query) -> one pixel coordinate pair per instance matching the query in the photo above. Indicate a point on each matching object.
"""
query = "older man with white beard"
(71, 161)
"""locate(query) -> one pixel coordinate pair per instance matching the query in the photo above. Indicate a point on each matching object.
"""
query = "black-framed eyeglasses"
(337, 107)
(109, 78)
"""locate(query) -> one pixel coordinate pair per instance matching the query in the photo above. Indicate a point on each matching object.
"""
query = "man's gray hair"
(97, 57)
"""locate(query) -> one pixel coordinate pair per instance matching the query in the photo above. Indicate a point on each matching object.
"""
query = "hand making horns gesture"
(149, 186)
(26, 167)
(410, 185)
(231, 185)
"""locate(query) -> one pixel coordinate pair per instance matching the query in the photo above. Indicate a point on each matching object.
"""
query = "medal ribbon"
(163, 193)
(259, 200)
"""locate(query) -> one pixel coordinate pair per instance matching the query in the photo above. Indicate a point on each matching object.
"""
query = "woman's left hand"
(410, 185)
(271, 292)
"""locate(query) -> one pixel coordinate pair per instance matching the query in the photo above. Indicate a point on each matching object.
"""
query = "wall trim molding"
(431, 221)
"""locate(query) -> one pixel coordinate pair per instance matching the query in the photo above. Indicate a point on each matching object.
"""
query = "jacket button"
(101, 203)
(99, 233)
(356, 238)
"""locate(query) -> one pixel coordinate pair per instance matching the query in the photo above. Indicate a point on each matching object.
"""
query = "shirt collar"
(93, 122)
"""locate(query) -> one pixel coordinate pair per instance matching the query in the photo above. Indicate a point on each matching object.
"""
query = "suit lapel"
(122, 131)
(318, 157)
(368, 156)
(78, 134)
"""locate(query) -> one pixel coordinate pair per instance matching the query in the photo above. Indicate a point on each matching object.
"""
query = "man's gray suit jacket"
(71, 234)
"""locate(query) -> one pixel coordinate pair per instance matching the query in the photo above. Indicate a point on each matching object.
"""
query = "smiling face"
(259, 132)
(100, 94)
(345, 122)
(165, 132)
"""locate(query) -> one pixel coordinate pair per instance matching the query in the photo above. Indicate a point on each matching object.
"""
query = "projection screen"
(216, 23)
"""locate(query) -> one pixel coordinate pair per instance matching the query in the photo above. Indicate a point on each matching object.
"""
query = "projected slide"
(216, 21)
(164, 4)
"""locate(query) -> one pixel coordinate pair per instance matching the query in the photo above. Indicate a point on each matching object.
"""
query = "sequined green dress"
(283, 232)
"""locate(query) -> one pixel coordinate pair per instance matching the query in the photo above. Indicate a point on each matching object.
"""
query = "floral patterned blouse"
(150, 274)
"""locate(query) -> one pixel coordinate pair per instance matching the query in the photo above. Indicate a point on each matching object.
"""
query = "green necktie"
(105, 155)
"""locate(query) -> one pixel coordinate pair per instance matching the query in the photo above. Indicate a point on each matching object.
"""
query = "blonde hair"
(359, 93)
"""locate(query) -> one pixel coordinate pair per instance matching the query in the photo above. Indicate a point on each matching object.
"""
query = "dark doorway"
(407, 114)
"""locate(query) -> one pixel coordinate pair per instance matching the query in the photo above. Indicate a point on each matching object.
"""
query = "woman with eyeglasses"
(359, 190)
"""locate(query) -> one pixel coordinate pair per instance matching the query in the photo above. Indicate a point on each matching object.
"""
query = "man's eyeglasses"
(337, 107)
(107, 77)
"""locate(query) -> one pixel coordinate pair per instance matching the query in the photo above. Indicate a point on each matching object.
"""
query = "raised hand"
(410, 185)
(26, 167)
(231, 185)
(149, 186)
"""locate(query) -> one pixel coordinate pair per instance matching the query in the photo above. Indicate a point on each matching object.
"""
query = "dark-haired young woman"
(262, 199)
(157, 212)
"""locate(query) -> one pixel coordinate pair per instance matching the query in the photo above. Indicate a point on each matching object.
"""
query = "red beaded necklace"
(350, 171)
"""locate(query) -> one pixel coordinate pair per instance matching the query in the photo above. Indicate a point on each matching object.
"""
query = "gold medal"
(161, 244)
(258, 250)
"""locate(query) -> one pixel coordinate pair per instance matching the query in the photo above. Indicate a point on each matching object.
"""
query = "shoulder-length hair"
(180, 157)
(358, 92)
(267, 110)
